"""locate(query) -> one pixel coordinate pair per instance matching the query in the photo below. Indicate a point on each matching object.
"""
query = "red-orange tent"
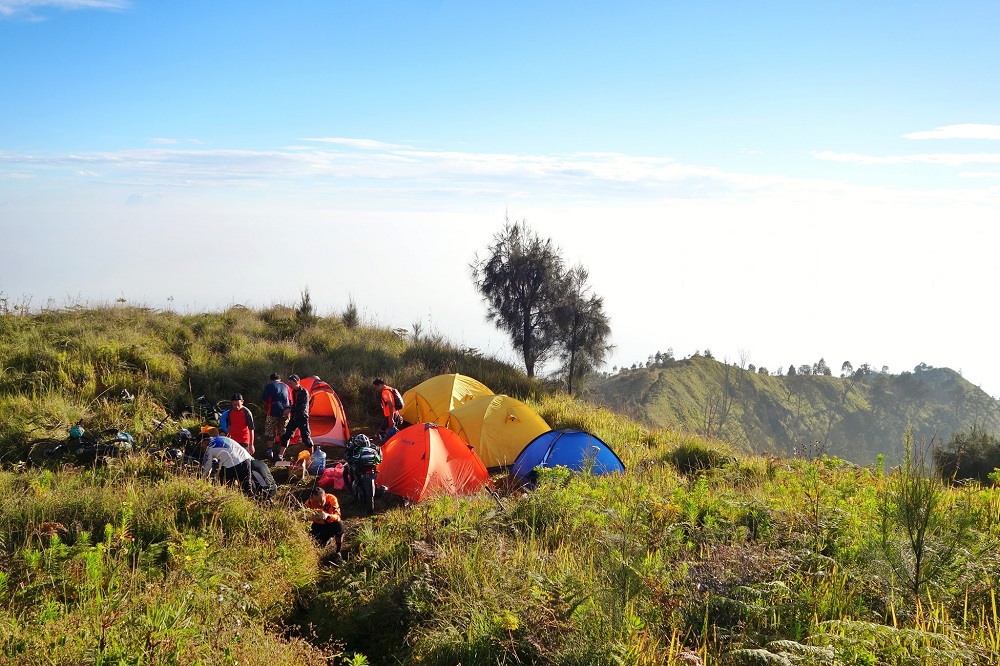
(327, 421)
(425, 459)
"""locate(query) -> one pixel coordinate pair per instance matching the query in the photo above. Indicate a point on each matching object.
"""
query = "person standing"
(277, 400)
(237, 423)
(326, 521)
(387, 400)
(298, 417)
(234, 461)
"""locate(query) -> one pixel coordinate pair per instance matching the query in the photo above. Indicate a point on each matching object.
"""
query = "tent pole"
(494, 495)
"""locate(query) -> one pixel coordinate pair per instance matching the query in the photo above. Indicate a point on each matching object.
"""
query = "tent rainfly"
(574, 449)
(425, 459)
(497, 427)
(431, 400)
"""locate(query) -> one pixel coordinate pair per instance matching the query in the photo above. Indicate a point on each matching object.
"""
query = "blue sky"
(780, 180)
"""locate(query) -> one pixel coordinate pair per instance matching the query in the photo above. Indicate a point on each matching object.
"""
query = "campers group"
(286, 408)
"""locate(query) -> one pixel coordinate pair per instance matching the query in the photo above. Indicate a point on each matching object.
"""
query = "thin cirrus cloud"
(946, 159)
(10, 8)
(966, 131)
(962, 131)
(373, 173)
(343, 163)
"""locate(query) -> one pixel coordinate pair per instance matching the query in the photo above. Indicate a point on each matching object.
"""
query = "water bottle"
(317, 461)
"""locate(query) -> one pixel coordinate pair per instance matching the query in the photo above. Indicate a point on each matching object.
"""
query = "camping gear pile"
(361, 461)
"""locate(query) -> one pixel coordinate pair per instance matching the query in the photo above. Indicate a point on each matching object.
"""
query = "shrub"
(969, 454)
(694, 456)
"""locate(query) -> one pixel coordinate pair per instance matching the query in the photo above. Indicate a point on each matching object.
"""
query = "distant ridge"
(855, 418)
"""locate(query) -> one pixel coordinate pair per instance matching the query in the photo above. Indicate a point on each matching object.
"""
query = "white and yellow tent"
(497, 427)
(431, 400)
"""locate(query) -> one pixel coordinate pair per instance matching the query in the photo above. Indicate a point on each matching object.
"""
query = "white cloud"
(365, 144)
(948, 159)
(359, 173)
(27, 7)
(363, 162)
(966, 131)
(618, 214)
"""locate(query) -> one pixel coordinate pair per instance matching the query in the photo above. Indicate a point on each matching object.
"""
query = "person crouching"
(233, 460)
(326, 521)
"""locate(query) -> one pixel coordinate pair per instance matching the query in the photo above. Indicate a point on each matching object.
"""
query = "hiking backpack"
(397, 399)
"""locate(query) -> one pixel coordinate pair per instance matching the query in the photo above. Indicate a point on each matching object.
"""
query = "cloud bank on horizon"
(631, 219)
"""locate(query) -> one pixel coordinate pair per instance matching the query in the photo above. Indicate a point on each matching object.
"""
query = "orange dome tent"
(431, 400)
(425, 459)
(327, 421)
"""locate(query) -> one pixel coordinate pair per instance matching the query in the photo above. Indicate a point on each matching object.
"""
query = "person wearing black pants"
(326, 521)
(233, 460)
(299, 414)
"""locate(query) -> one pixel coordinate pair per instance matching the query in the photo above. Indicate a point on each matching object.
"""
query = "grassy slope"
(693, 552)
(132, 564)
(60, 366)
(855, 419)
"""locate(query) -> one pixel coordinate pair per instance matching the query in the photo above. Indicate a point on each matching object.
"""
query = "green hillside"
(855, 418)
(60, 366)
(693, 557)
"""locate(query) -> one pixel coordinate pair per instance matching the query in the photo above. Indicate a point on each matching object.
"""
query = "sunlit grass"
(118, 566)
(698, 551)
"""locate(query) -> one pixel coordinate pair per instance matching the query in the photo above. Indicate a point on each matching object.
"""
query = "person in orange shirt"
(391, 417)
(326, 521)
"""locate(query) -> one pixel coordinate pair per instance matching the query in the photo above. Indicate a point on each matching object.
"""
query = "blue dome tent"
(575, 449)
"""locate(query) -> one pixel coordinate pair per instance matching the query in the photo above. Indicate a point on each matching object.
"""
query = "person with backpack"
(391, 402)
(237, 423)
(277, 400)
(298, 417)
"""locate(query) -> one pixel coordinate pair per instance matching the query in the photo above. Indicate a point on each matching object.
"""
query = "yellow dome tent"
(431, 400)
(497, 427)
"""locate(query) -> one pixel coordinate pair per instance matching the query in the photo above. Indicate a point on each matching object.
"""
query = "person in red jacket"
(391, 417)
(237, 423)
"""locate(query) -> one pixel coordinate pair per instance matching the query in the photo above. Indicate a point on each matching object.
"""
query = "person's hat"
(293, 377)
(237, 396)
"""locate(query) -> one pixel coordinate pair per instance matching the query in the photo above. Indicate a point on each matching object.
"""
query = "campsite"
(690, 552)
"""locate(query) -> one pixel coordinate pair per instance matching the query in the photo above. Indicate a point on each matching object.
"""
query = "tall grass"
(112, 566)
(60, 366)
(647, 567)
(699, 553)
